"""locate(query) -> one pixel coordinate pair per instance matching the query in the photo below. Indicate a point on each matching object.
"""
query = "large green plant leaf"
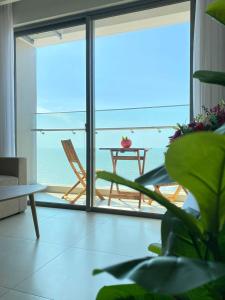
(176, 240)
(167, 275)
(197, 161)
(160, 174)
(128, 292)
(188, 219)
(218, 287)
(221, 243)
(210, 77)
(155, 248)
(154, 177)
(204, 292)
(216, 9)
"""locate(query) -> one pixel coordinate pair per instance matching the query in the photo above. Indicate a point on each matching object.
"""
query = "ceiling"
(2, 2)
(163, 16)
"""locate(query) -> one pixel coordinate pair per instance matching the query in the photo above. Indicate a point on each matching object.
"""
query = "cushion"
(8, 180)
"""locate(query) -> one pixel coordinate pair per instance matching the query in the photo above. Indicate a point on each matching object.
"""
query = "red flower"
(199, 127)
(192, 125)
(210, 120)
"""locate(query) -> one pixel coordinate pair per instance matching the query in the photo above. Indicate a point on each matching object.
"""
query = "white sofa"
(13, 171)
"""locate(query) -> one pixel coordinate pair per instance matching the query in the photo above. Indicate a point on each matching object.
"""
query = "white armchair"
(13, 171)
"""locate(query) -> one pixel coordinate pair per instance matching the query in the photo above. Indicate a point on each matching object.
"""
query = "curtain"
(7, 114)
(209, 54)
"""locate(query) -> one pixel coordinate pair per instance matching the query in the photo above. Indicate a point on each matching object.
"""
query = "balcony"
(53, 168)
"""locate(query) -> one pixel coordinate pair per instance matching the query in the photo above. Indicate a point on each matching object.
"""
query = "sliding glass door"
(142, 71)
(114, 87)
(51, 112)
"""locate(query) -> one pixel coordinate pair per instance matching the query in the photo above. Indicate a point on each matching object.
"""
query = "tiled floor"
(72, 243)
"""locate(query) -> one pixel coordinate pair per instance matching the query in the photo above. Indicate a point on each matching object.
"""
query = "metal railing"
(129, 128)
(73, 130)
(116, 109)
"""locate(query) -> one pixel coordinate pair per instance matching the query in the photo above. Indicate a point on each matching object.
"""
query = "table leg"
(141, 198)
(115, 164)
(34, 214)
(111, 186)
(110, 194)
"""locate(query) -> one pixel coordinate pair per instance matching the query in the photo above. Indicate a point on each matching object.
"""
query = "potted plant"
(211, 120)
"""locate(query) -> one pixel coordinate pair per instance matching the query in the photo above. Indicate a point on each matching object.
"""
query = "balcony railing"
(131, 129)
(141, 124)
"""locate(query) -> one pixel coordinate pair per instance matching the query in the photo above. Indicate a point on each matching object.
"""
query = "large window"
(141, 87)
(57, 92)
(142, 63)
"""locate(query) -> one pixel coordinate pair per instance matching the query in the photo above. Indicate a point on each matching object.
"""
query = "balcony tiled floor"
(129, 205)
(72, 243)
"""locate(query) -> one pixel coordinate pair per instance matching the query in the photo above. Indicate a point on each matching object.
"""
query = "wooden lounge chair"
(173, 196)
(78, 170)
(159, 178)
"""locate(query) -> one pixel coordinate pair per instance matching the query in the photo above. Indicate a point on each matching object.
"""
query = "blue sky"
(140, 68)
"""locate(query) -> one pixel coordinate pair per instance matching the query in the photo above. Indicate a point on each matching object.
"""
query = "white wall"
(26, 106)
(29, 11)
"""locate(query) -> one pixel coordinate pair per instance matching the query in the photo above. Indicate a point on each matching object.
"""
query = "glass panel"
(142, 74)
(53, 66)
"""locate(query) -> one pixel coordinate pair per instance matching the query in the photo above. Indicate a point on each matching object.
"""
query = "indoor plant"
(191, 261)
(211, 120)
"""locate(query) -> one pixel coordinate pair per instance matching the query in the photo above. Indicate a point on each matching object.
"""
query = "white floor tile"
(3, 291)
(69, 276)
(125, 236)
(72, 243)
(14, 295)
(65, 228)
(20, 258)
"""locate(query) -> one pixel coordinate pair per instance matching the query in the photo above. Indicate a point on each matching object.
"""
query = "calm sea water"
(54, 169)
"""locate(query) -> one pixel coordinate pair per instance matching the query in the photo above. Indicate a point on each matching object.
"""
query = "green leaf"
(188, 219)
(166, 227)
(155, 176)
(155, 248)
(203, 293)
(221, 243)
(218, 286)
(216, 9)
(210, 77)
(160, 174)
(127, 292)
(125, 267)
(197, 161)
(168, 275)
(176, 240)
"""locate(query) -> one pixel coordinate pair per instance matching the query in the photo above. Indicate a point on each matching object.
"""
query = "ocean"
(54, 169)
